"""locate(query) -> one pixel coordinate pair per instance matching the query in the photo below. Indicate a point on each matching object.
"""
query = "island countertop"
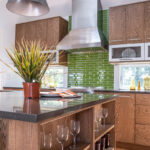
(14, 106)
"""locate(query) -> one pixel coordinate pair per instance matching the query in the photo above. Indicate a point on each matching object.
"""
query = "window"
(55, 76)
(126, 72)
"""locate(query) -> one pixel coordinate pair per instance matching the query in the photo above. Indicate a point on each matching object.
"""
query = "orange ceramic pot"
(31, 90)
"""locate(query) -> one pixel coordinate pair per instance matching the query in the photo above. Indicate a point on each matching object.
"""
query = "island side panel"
(23, 135)
(3, 134)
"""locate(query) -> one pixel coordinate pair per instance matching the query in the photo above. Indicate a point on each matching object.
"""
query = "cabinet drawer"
(142, 136)
(143, 99)
(143, 114)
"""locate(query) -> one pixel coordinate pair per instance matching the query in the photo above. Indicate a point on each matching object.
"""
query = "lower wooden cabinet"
(142, 134)
(132, 123)
(125, 117)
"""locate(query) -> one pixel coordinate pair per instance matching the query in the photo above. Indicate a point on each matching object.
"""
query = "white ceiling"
(58, 8)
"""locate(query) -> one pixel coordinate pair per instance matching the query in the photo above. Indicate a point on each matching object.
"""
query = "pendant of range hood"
(28, 7)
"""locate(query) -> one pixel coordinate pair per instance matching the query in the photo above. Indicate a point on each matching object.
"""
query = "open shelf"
(102, 132)
(80, 146)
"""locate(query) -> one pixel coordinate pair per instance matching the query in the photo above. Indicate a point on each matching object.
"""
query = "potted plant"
(31, 63)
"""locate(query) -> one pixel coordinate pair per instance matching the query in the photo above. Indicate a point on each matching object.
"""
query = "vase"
(31, 90)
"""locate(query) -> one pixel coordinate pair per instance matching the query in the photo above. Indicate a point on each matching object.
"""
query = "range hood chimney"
(85, 32)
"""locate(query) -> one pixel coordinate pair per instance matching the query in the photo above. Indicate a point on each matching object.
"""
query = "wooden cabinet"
(142, 130)
(147, 21)
(117, 25)
(125, 117)
(127, 24)
(135, 23)
(132, 121)
(48, 31)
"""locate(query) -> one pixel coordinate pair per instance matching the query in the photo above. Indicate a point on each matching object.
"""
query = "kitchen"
(97, 82)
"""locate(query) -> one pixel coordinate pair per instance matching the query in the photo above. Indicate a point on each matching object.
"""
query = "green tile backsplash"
(91, 68)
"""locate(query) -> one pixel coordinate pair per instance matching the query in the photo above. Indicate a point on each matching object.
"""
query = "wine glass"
(42, 139)
(75, 130)
(62, 135)
(98, 119)
(105, 115)
(47, 141)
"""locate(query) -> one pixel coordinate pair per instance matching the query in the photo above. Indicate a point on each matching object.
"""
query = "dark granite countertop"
(13, 106)
(123, 91)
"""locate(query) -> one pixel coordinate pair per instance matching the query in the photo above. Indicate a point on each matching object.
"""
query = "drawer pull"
(125, 96)
(134, 39)
(116, 40)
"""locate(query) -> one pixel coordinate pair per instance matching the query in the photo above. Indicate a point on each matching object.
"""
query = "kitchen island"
(23, 120)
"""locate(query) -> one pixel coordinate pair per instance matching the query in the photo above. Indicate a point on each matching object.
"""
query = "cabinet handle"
(125, 96)
(116, 40)
(126, 59)
(134, 39)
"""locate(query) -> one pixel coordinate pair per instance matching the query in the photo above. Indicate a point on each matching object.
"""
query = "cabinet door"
(30, 31)
(125, 117)
(117, 25)
(135, 23)
(53, 32)
(20, 33)
(41, 31)
(147, 21)
(142, 135)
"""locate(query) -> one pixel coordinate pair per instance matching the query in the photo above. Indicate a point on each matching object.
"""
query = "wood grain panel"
(3, 134)
(143, 99)
(41, 31)
(53, 33)
(20, 33)
(125, 117)
(23, 135)
(117, 25)
(142, 135)
(143, 114)
(147, 21)
(86, 119)
(30, 31)
(135, 23)
(63, 28)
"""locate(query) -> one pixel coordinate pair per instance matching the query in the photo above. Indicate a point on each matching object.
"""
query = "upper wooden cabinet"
(48, 31)
(147, 21)
(117, 25)
(135, 23)
(127, 24)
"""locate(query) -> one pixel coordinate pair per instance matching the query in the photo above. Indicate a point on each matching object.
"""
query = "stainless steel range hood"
(85, 32)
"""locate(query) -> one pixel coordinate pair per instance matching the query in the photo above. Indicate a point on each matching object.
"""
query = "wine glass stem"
(74, 140)
(62, 146)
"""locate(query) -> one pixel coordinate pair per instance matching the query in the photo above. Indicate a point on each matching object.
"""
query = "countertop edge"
(35, 118)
